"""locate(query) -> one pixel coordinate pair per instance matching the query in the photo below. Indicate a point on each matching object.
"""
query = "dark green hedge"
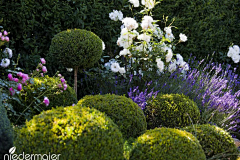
(211, 25)
(34, 23)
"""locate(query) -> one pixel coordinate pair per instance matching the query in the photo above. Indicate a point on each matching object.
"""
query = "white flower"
(122, 70)
(144, 37)
(115, 67)
(116, 15)
(160, 64)
(148, 3)
(236, 48)
(183, 37)
(168, 30)
(179, 59)
(103, 46)
(169, 36)
(122, 26)
(134, 2)
(130, 23)
(185, 66)
(172, 66)
(141, 48)
(124, 42)
(158, 32)
(231, 52)
(124, 52)
(169, 55)
(147, 22)
(9, 51)
(236, 58)
(5, 62)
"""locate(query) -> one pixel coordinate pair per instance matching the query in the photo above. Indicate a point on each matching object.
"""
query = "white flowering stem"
(75, 78)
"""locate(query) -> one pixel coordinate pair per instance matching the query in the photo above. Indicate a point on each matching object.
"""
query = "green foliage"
(167, 144)
(215, 141)
(122, 110)
(171, 110)
(211, 25)
(33, 24)
(6, 132)
(74, 132)
(33, 94)
(76, 47)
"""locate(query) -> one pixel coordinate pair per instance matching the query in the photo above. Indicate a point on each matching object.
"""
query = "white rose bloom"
(231, 52)
(122, 70)
(147, 22)
(236, 48)
(179, 59)
(122, 26)
(148, 3)
(169, 36)
(120, 15)
(168, 30)
(103, 46)
(183, 37)
(134, 2)
(185, 66)
(115, 67)
(5, 62)
(236, 58)
(130, 23)
(169, 55)
(124, 52)
(135, 33)
(160, 64)
(144, 37)
(172, 66)
(9, 51)
(124, 42)
(116, 15)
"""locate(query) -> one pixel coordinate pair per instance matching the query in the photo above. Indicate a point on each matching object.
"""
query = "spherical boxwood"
(167, 144)
(6, 132)
(41, 85)
(74, 132)
(76, 47)
(214, 141)
(171, 110)
(122, 110)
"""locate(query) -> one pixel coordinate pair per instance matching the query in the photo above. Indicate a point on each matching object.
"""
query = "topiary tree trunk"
(75, 78)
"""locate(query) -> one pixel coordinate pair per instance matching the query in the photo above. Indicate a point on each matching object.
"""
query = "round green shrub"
(76, 47)
(41, 85)
(75, 133)
(122, 110)
(171, 110)
(214, 141)
(167, 144)
(6, 131)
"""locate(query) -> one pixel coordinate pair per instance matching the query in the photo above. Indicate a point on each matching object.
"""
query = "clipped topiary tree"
(171, 110)
(76, 48)
(122, 110)
(215, 141)
(75, 133)
(6, 131)
(167, 144)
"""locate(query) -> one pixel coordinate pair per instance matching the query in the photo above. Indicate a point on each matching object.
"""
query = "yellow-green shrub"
(122, 110)
(171, 110)
(167, 144)
(74, 132)
(214, 141)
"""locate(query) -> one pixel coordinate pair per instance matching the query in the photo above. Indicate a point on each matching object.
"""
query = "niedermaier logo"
(24, 156)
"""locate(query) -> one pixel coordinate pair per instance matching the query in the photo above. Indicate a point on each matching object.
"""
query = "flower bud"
(10, 77)
(19, 87)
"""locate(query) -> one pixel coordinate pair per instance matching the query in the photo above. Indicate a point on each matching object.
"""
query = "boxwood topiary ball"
(171, 110)
(214, 141)
(122, 110)
(76, 47)
(167, 144)
(74, 132)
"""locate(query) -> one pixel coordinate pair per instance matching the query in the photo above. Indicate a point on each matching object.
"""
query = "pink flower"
(15, 79)
(5, 33)
(40, 64)
(37, 70)
(12, 92)
(44, 69)
(59, 75)
(2, 38)
(46, 101)
(43, 60)
(7, 38)
(65, 87)
(25, 76)
(59, 85)
(23, 81)
(0, 34)
(41, 74)
(19, 87)
(19, 74)
(62, 80)
(10, 77)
